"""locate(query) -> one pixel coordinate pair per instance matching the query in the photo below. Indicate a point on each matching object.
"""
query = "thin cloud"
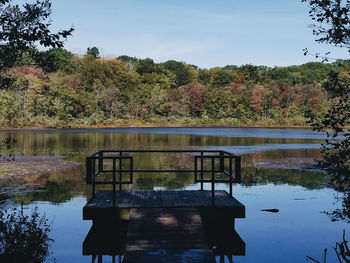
(162, 49)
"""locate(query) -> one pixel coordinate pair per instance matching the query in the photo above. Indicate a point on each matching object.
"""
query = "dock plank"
(103, 200)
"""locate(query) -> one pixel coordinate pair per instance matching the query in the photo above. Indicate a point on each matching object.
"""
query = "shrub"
(24, 238)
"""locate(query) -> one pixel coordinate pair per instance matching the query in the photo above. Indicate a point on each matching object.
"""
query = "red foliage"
(287, 94)
(195, 95)
(235, 85)
(26, 70)
(73, 81)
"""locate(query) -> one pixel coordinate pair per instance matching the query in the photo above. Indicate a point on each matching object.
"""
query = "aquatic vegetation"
(25, 166)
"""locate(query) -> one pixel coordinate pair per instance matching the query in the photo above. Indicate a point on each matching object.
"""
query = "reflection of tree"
(3, 198)
(77, 145)
(343, 213)
(310, 180)
(341, 251)
(56, 187)
(62, 186)
(254, 175)
(165, 180)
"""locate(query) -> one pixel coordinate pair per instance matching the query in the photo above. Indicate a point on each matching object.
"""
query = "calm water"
(298, 229)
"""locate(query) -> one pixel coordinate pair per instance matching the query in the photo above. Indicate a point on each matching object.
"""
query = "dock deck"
(105, 202)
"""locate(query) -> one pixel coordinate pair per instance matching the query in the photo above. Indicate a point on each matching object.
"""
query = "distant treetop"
(93, 51)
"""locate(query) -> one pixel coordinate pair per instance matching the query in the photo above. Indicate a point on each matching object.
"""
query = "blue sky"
(206, 33)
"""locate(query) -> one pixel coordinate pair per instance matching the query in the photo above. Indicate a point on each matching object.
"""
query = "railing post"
(114, 178)
(100, 162)
(213, 181)
(120, 171)
(202, 186)
(195, 168)
(132, 170)
(230, 172)
(238, 169)
(93, 176)
(222, 164)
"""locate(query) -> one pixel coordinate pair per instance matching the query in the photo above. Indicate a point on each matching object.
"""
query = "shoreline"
(25, 167)
(152, 125)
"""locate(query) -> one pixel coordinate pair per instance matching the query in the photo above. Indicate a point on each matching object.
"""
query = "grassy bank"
(157, 122)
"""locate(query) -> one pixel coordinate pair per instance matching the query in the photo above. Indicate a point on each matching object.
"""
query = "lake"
(277, 173)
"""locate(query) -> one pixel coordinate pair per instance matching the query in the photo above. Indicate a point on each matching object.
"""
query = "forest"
(56, 88)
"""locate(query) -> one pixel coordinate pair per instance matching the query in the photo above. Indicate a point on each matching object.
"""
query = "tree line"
(56, 88)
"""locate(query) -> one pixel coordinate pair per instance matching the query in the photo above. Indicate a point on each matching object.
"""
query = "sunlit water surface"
(298, 230)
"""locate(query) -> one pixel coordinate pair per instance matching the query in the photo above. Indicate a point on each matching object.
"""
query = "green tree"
(21, 28)
(254, 73)
(55, 59)
(93, 51)
(221, 78)
(183, 75)
(332, 18)
(204, 77)
(146, 65)
(130, 62)
(332, 21)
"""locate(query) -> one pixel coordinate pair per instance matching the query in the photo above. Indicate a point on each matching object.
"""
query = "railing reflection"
(99, 259)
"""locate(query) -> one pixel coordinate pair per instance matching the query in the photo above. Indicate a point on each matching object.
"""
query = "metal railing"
(121, 162)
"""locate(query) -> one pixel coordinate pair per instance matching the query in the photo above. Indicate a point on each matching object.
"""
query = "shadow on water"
(107, 237)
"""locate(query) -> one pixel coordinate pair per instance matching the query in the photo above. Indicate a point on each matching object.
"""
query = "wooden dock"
(163, 225)
(104, 204)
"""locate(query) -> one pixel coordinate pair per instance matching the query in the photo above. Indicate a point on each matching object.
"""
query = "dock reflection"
(222, 236)
(107, 240)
